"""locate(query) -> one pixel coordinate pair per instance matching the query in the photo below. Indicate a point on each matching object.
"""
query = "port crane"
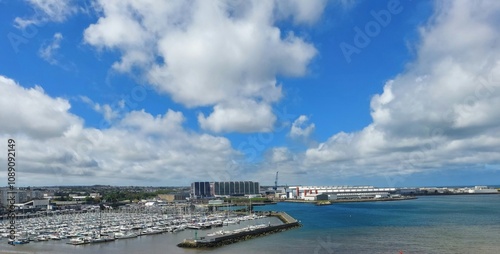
(276, 182)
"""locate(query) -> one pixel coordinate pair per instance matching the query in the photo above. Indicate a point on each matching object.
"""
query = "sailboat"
(99, 238)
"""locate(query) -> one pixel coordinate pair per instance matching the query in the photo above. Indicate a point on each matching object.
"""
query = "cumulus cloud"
(247, 116)
(55, 148)
(29, 111)
(47, 10)
(300, 129)
(223, 54)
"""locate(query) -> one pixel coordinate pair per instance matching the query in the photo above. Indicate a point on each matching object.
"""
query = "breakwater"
(212, 242)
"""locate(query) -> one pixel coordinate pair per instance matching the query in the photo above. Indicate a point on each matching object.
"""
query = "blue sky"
(386, 93)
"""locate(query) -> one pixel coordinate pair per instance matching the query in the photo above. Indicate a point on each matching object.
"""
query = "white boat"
(101, 239)
(150, 231)
(41, 238)
(79, 241)
(193, 226)
(54, 237)
(125, 235)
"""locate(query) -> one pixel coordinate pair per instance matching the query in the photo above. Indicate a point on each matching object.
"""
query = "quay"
(331, 202)
(218, 241)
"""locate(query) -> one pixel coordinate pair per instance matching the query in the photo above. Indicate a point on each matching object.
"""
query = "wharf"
(218, 241)
(330, 202)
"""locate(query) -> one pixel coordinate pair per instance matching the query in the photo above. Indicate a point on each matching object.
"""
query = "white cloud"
(302, 11)
(32, 112)
(109, 113)
(209, 53)
(280, 154)
(245, 116)
(300, 130)
(49, 52)
(55, 148)
(47, 10)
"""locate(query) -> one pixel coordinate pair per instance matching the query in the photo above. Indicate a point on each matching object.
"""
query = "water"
(436, 224)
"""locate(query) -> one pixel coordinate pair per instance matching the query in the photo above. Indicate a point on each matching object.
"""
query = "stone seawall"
(289, 223)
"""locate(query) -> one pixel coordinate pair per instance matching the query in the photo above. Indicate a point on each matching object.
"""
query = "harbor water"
(429, 224)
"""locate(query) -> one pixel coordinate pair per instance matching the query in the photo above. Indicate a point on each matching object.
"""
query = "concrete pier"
(288, 223)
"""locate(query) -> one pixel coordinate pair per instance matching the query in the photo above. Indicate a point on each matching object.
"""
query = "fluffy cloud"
(47, 10)
(47, 52)
(300, 130)
(224, 54)
(244, 116)
(301, 11)
(106, 110)
(54, 147)
(442, 113)
(280, 154)
(31, 112)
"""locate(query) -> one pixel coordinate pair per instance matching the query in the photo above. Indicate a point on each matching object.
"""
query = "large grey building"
(212, 189)
(200, 189)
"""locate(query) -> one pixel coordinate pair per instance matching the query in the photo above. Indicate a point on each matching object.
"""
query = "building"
(216, 189)
(20, 196)
(483, 190)
(36, 204)
(342, 192)
(180, 197)
(216, 202)
(200, 189)
(234, 188)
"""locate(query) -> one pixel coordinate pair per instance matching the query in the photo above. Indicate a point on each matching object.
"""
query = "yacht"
(125, 235)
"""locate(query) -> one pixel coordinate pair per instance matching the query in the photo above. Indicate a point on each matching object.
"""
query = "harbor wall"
(289, 223)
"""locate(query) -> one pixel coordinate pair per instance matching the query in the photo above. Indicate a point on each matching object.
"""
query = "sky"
(164, 93)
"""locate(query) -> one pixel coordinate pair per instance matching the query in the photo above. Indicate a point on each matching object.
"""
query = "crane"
(276, 182)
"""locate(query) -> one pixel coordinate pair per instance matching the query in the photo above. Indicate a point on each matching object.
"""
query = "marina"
(96, 226)
(423, 225)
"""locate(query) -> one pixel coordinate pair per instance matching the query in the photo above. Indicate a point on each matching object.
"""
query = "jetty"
(243, 234)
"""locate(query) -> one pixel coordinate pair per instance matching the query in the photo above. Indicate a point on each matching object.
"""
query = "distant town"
(34, 199)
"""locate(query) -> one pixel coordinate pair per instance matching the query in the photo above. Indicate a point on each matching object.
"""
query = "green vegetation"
(119, 195)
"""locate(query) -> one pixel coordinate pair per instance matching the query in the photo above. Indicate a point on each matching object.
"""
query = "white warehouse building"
(301, 192)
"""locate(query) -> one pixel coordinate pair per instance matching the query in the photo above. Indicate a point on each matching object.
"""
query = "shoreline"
(331, 202)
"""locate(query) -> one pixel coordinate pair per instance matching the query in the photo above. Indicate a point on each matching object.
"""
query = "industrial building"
(336, 192)
(200, 189)
(217, 189)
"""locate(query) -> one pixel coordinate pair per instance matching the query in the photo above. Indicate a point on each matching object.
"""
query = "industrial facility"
(334, 192)
(218, 189)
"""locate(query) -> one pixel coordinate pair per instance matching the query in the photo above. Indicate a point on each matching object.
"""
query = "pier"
(247, 233)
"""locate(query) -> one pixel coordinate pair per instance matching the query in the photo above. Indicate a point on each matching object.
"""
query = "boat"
(54, 237)
(101, 239)
(193, 226)
(18, 241)
(41, 238)
(125, 235)
(150, 231)
(78, 241)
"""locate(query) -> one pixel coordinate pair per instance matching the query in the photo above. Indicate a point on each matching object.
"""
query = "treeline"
(115, 196)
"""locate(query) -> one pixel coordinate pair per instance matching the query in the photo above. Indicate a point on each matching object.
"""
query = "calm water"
(442, 224)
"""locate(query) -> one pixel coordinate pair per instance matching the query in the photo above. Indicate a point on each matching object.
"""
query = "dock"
(218, 241)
